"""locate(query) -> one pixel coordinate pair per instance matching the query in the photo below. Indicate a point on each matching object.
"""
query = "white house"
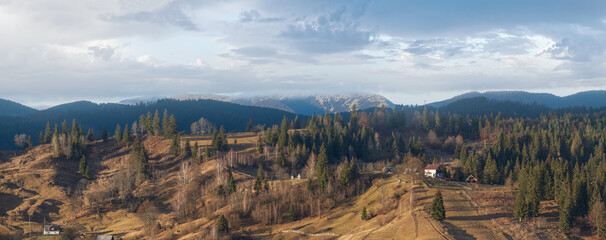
(51, 229)
(433, 170)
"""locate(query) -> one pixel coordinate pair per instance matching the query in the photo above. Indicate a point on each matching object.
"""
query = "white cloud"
(100, 50)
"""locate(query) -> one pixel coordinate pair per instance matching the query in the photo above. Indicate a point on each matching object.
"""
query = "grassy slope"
(44, 196)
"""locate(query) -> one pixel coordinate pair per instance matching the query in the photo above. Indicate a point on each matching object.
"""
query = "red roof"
(432, 167)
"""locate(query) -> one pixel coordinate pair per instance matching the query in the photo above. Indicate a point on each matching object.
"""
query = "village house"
(471, 179)
(433, 170)
(51, 229)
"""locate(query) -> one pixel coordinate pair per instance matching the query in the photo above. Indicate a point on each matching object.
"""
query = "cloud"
(162, 47)
(256, 51)
(103, 52)
(255, 16)
(337, 31)
(172, 13)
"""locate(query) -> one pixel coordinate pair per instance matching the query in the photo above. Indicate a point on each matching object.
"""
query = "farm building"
(105, 237)
(51, 229)
(471, 179)
(433, 170)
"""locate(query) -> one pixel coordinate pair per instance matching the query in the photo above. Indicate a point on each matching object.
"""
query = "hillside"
(35, 188)
(95, 116)
(11, 109)
(594, 99)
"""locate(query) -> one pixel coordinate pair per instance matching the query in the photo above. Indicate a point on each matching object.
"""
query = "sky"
(412, 52)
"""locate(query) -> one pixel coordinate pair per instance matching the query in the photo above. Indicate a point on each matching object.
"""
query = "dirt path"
(463, 220)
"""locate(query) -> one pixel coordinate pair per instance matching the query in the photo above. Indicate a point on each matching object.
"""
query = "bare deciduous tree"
(201, 127)
(310, 167)
(20, 140)
(148, 213)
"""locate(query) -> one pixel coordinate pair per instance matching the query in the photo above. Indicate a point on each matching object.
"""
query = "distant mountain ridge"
(10, 109)
(304, 105)
(594, 99)
(233, 117)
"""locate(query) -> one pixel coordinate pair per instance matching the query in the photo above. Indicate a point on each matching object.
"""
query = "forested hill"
(593, 99)
(95, 116)
(483, 106)
(10, 108)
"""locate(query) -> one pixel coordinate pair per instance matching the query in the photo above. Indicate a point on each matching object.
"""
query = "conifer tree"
(165, 119)
(259, 180)
(156, 124)
(249, 125)
(174, 147)
(222, 225)
(231, 182)
(118, 133)
(139, 159)
(48, 134)
(296, 124)
(172, 128)
(566, 208)
(395, 151)
(187, 148)
(425, 120)
(83, 168)
(291, 213)
(55, 143)
(104, 134)
(126, 135)
(322, 169)
(491, 173)
(194, 151)
(364, 214)
(438, 212)
(82, 165)
(90, 136)
(206, 154)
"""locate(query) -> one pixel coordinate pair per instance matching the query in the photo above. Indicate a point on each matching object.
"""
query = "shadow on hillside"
(9, 202)
(456, 232)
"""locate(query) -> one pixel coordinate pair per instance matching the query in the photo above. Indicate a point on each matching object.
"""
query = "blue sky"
(409, 51)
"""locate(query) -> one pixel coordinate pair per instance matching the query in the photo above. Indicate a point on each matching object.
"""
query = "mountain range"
(303, 105)
(593, 99)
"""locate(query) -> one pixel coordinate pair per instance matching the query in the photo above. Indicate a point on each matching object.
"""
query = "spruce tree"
(322, 168)
(165, 118)
(491, 173)
(187, 148)
(438, 212)
(174, 147)
(48, 134)
(104, 134)
(231, 182)
(82, 165)
(259, 180)
(291, 213)
(87, 172)
(249, 125)
(118, 133)
(172, 128)
(90, 136)
(156, 124)
(126, 135)
(207, 154)
(194, 151)
(425, 120)
(566, 209)
(364, 214)
(222, 225)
